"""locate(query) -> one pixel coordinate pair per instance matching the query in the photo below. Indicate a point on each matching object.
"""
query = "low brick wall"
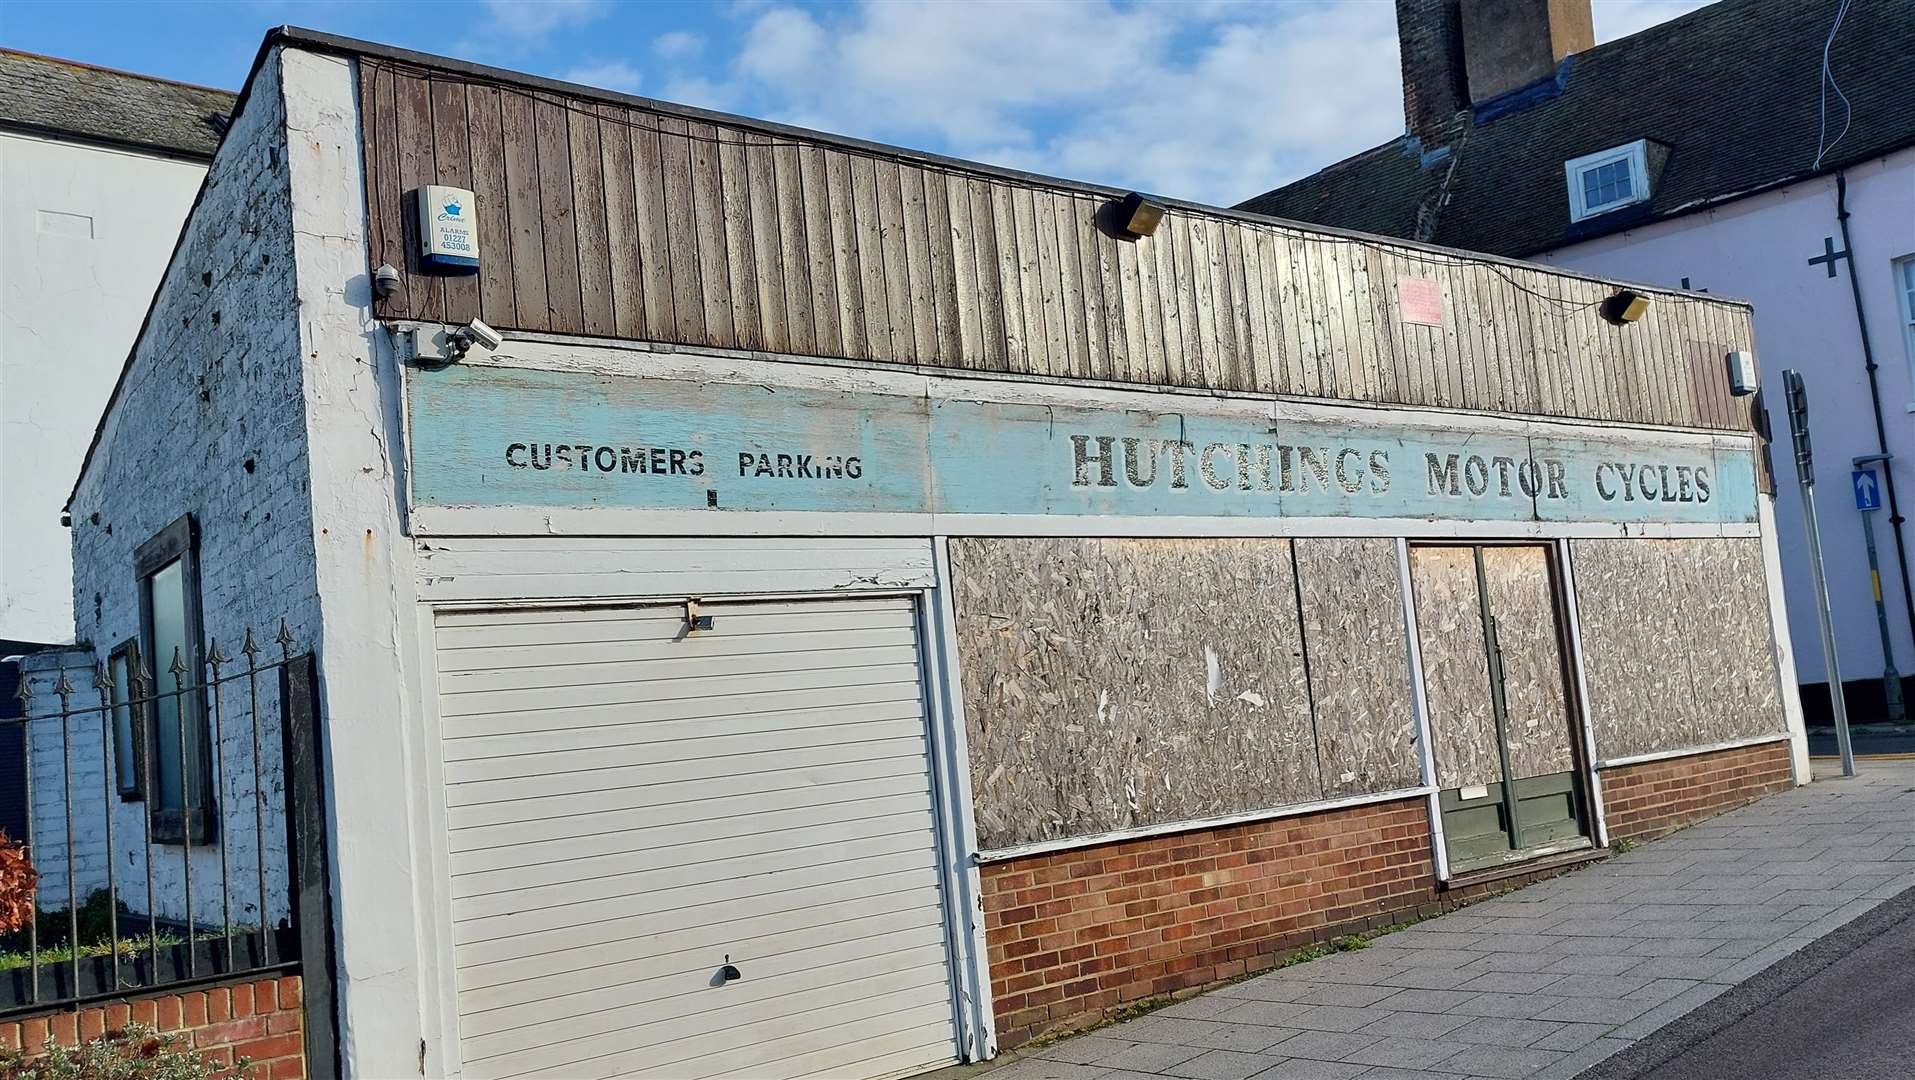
(1641, 802)
(1073, 935)
(261, 1019)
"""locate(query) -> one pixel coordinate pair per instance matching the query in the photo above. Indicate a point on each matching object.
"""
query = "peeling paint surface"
(495, 436)
(1359, 670)
(1710, 677)
(1118, 683)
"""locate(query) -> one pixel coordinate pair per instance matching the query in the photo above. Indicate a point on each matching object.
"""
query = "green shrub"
(136, 1052)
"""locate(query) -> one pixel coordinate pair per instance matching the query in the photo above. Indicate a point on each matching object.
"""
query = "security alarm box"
(1742, 377)
(448, 229)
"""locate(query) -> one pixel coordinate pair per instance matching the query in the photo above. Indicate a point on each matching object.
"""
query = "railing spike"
(64, 688)
(102, 677)
(178, 666)
(285, 639)
(24, 692)
(216, 656)
(249, 648)
(142, 675)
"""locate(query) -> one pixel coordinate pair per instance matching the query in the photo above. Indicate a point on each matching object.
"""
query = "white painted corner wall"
(364, 574)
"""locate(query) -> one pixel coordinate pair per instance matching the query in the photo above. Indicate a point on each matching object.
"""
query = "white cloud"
(1620, 18)
(678, 45)
(1225, 101)
(531, 21)
(609, 75)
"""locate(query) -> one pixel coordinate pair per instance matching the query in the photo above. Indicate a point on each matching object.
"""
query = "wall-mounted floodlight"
(1138, 214)
(1626, 306)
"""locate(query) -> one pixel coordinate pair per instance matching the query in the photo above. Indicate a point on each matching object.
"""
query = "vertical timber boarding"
(610, 216)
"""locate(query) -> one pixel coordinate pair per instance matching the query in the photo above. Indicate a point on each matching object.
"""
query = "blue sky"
(1214, 100)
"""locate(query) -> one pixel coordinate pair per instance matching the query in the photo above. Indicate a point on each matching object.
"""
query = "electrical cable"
(1822, 145)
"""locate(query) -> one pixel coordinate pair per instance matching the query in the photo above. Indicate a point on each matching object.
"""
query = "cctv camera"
(465, 336)
(385, 280)
(483, 334)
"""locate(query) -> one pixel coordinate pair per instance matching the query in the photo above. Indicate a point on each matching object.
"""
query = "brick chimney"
(1461, 52)
(1435, 85)
(1508, 44)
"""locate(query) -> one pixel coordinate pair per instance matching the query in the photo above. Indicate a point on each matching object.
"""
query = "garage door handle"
(728, 973)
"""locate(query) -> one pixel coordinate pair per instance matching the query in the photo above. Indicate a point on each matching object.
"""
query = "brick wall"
(1657, 797)
(209, 419)
(259, 1019)
(1074, 934)
(84, 745)
(1430, 42)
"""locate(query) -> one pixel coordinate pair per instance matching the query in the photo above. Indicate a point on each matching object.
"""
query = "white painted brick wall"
(42, 673)
(209, 419)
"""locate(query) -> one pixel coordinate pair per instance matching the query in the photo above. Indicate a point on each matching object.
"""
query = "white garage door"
(631, 809)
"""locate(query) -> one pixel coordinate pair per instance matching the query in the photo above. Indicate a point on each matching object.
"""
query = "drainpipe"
(1875, 396)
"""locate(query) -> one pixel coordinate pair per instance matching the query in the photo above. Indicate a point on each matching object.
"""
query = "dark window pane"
(125, 768)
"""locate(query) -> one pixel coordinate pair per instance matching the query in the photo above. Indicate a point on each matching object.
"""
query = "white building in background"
(98, 169)
(1714, 152)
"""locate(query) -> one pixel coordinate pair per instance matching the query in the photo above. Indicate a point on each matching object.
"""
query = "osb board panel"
(1359, 673)
(1111, 684)
(1449, 630)
(1677, 647)
(609, 216)
(1522, 600)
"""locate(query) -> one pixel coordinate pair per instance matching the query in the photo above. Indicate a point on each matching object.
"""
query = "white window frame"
(1635, 153)
(1904, 269)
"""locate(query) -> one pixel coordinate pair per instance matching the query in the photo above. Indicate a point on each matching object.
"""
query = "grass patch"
(130, 948)
(96, 919)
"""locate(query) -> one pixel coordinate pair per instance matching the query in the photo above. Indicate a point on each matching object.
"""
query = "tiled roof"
(61, 97)
(1731, 90)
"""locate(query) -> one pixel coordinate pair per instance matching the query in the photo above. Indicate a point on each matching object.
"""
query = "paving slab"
(1548, 981)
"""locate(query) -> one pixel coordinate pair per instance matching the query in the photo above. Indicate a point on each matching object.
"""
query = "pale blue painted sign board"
(499, 437)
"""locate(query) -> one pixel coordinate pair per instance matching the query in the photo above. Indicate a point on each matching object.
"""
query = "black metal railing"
(140, 861)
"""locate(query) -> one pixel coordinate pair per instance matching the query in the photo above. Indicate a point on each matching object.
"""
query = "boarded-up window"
(1116, 684)
(1677, 645)
(1352, 603)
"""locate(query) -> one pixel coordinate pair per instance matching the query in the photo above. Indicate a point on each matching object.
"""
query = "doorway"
(680, 854)
(1491, 630)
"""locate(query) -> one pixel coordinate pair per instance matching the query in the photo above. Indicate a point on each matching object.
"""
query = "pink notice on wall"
(1421, 301)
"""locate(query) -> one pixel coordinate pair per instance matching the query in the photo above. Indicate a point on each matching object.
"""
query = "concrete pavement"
(1549, 980)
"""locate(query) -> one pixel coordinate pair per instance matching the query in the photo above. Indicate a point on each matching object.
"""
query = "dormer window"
(1608, 180)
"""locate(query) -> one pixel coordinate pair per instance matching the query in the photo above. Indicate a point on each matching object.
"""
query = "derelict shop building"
(862, 609)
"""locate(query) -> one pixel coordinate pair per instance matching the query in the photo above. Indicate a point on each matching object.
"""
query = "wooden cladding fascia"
(610, 220)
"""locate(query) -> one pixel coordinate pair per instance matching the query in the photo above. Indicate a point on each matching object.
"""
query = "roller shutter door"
(631, 809)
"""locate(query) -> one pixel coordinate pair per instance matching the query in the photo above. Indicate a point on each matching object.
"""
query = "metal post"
(1891, 678)
(309, 888)
(1798, 400)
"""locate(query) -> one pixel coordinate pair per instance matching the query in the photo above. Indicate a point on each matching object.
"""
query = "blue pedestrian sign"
(1868, 492)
